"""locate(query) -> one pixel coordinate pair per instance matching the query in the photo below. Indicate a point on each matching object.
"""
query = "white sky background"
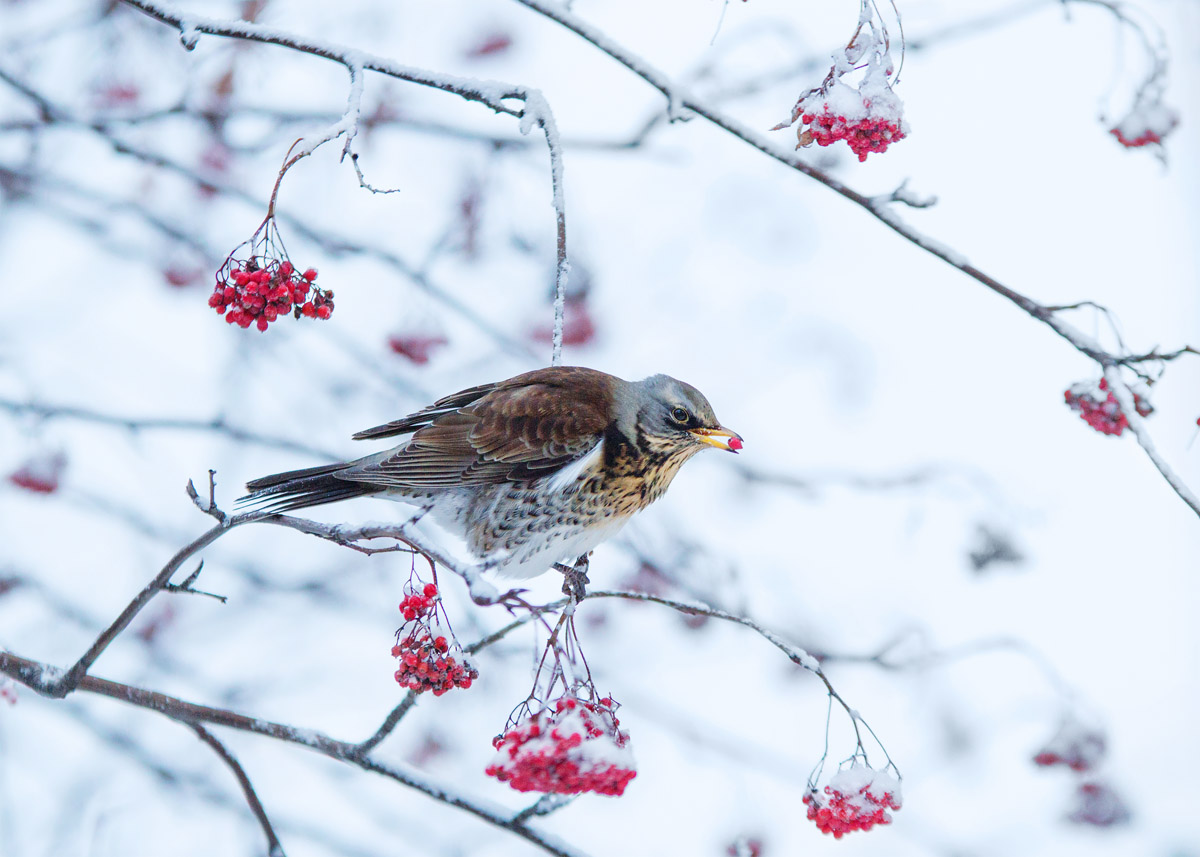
(835, 348)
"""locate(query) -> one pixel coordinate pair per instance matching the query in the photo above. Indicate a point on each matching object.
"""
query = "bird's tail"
(299, 489)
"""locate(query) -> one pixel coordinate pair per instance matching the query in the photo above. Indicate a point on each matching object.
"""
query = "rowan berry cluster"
(261, 289)
(863, 133)
(1099, 805)
(571, 747)
(416, 347)
(40, 474)
(855, 102)
(1098, 406)
(855, 799)
(1075, 747)
(425, 662)
(1146, 124)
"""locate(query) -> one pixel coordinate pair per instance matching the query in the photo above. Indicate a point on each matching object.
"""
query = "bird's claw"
(575, 579)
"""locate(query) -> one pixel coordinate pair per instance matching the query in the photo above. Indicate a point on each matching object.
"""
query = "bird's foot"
(575, 578)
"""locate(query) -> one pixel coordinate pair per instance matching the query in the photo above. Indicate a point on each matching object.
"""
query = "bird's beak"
(721, 438)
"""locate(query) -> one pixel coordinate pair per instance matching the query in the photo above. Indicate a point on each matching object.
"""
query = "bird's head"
(674, 417)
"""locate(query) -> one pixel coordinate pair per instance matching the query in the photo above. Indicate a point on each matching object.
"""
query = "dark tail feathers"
(299, 489)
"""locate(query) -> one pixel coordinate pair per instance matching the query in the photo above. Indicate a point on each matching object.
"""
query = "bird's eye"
(680, 415)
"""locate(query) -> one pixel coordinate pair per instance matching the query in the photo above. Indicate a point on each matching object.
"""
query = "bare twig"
(274, 847)
(188, 586)
(390, 722)
(217, 425)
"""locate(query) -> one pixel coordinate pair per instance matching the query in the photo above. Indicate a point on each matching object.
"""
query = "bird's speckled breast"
(532, 524)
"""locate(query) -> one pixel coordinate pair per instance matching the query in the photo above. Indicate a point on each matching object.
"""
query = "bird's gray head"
(672, 416)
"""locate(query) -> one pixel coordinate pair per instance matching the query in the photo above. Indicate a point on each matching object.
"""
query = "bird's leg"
(575, 578)
(422, 511)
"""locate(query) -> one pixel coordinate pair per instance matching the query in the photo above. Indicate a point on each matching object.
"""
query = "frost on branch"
(1098, 407)
(856, 798)
(423, 648)
(570, 747)
(265, 286)
(867, 114)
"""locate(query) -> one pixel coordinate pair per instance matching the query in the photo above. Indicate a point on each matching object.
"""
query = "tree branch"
(29, 672)
(274, 847)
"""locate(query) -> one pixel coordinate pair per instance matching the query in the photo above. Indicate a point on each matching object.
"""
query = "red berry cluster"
(1145, 138)
(1098, 406)
(8, 691)
(856, 799)
(416, 347)
(1077, 748)
(574, 748)
(863, 135)
(425, 659)
(1146, 124)
(251, 292)
(40, 474)
(1098, 805)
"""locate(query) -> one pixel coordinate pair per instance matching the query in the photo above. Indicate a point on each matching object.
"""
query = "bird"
(530, 472)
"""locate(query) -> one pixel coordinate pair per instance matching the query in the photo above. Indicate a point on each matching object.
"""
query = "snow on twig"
(1137, 425)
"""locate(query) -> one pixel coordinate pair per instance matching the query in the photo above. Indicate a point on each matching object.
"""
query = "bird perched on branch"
(529, 471)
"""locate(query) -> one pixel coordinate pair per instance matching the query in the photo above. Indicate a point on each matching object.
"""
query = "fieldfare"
(529, 471)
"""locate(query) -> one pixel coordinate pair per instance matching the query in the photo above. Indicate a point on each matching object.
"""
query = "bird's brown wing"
(422, 418)
(516, 430)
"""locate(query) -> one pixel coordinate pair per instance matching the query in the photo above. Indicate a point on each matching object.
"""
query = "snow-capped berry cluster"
(855, 799)
(1098, 406)
(261, 289)
(8, 690)
(867, 115)
(425, 662)
(40, 474)
(1146, 124)
(571, 747)
(1074, 746)
(869, 120)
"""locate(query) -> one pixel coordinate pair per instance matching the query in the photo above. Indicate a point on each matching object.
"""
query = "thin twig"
(274, 846)
(390, 722)
(217, 425)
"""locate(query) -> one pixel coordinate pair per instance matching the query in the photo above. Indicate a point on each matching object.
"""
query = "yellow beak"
(721, 438)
